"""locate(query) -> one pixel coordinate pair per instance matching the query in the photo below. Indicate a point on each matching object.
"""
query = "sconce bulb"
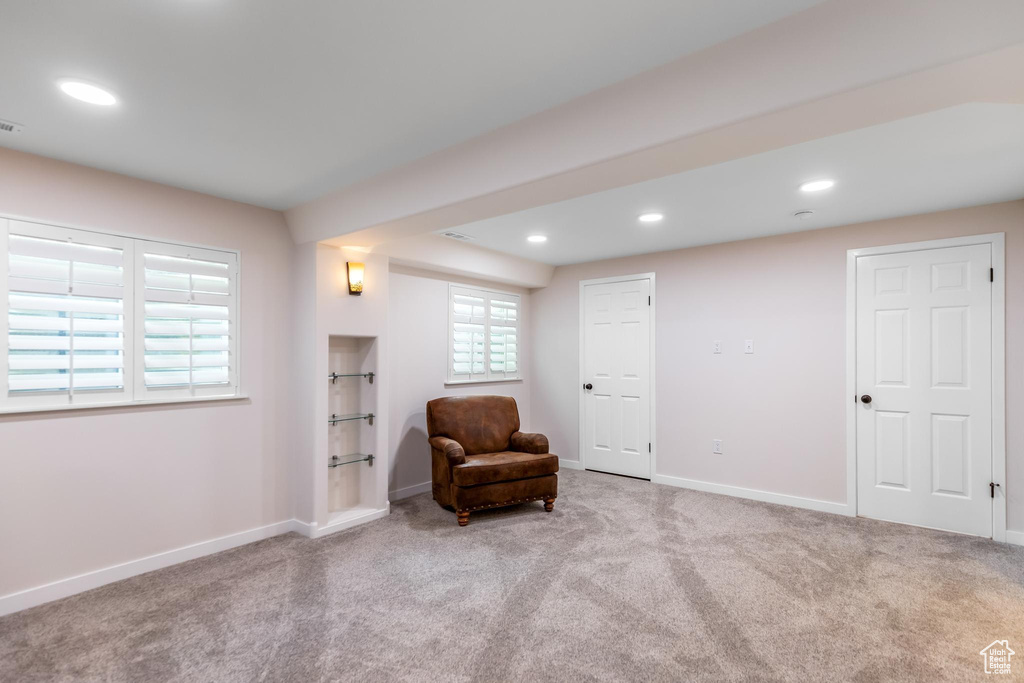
(355, 277)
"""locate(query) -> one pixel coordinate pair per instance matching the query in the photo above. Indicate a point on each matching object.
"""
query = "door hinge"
(648, 301)
(992, 488)
(648, 448)
(991, 274)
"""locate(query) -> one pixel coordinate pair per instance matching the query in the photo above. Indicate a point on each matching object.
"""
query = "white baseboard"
(409, 491)
(754, 494)
(349, 520)
(304, 528)
(569, 464)
(1015, 537)
(31, 597)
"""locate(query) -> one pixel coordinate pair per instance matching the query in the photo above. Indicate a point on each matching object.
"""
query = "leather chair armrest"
(451, 448)
(529, 443)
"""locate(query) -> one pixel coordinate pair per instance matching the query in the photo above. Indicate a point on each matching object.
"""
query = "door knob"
(588, 386)
(865, 399)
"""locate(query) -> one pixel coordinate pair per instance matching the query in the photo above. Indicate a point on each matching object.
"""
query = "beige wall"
(780, 412)
(73, 500)
(418, 322)
(84, 490)
(339, 313)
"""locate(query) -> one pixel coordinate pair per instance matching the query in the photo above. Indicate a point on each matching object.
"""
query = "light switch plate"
(748, 347)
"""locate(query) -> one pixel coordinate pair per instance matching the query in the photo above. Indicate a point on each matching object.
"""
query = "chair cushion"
(488, 468)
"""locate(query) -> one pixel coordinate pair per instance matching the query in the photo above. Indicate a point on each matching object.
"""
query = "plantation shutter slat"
(49, 362)
(43, 247)
(188, 298)
(158, 312)
(46, 323)
(81, 291)
(216, 265)
(69, 304)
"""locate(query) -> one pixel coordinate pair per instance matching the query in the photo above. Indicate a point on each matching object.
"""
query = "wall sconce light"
(355, 277)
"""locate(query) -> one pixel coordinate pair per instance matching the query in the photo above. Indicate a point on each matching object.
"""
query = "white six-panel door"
(617, 367)
(924, 357)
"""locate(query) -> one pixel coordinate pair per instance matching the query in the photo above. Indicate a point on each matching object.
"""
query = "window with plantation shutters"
(99, 319)
(185, 315)
(66, 297)
(483, 335)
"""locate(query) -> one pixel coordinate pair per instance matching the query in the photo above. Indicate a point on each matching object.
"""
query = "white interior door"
(617, 377)
(924, 363)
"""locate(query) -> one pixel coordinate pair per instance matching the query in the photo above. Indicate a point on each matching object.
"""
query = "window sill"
(120, 404)
(461, 382)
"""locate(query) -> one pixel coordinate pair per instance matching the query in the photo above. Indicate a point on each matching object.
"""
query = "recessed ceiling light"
(650, 217)
(537, 238)
(86, 92)
(817, 185)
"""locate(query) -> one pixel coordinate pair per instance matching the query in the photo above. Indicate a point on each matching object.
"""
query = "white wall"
(322, 307)
(418, 324)
(84, 490)
(780, 412)
(73, 500)
(303, 388)
(340, 313)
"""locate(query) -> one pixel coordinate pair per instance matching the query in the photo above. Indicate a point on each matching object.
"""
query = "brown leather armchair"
(482, 460)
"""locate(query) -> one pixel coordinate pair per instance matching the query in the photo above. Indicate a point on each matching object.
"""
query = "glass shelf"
(335, 375)
(351, 458)
(335, 418)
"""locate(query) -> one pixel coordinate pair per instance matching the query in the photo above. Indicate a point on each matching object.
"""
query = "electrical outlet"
(748, 347)
(716, 446)
(717, 347)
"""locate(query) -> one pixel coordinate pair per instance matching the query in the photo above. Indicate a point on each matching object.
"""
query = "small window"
(483, 335)
(99, 319)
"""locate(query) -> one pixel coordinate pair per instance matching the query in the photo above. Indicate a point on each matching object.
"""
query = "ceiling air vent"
(10, 127)
(457, 236)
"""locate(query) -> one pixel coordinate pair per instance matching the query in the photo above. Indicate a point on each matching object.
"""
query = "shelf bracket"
(334, 376)
(336, 418)
(336, 461)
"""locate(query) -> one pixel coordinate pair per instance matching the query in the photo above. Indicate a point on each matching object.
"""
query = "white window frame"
(488, 376)
(134, 296)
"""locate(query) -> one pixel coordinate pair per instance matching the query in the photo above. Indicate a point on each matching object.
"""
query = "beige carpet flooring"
(624, 581)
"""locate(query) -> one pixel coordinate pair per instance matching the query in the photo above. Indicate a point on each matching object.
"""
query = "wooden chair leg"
(549, 504)
(463, 517)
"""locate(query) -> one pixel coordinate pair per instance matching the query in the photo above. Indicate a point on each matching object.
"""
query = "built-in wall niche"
(352, 465)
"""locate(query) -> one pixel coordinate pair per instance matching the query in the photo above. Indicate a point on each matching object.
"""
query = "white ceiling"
(276, 103)
(962, 156)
